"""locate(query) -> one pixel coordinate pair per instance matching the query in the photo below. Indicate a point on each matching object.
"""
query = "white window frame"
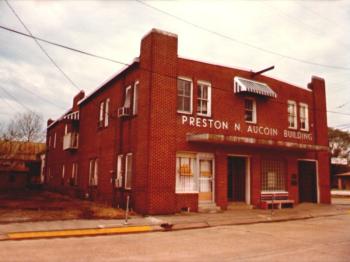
(254, 114)
(74, 176)
(295, 114)
(135, 98)
(128, 97)
(128, 172)
(54, 141)
(100, 118)
(191, 95)
(63, 171)
(106, 112)
(194, 173)
(306, 107)
(93, 172)
(201, 83)
(119, 178)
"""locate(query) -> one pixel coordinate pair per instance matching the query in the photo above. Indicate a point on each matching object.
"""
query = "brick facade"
(157, 133)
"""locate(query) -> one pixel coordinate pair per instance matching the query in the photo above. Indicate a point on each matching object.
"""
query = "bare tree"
(26, 127)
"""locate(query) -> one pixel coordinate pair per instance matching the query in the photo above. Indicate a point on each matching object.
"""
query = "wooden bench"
(276, 200)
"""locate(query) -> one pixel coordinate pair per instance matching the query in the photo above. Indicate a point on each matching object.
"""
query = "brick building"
(174, 133)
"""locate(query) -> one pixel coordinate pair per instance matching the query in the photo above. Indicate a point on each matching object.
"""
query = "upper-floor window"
(54, 141)
(103, 118)
(204, 99)
(249, 110)
(93, 172)
(135, 98)
(65, 129)
(292, 114)
(184, 95)
(304, 117)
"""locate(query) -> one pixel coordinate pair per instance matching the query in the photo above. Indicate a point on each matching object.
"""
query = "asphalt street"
(318, 239)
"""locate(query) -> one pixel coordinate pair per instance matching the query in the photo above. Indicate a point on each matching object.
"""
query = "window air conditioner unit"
(123, 112)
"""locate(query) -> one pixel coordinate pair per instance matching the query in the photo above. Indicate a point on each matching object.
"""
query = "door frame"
(317, 180)
(206, 156)
(247, 175)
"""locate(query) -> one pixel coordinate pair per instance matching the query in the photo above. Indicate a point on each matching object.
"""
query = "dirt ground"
(30, 205)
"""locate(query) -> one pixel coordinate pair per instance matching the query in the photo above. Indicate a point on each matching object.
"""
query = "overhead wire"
(42, 48)
(240, 41)
(118, 62)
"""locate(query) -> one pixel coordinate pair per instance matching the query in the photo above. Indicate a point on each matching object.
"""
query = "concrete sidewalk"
(138, 224)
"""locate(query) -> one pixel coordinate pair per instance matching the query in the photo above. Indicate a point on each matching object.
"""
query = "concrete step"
(238, 206)
(208, 208)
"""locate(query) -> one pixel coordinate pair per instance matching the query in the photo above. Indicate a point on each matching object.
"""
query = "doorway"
(236, 178)
(307, 181)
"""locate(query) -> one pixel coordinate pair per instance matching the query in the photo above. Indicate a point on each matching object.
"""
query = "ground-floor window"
(93, 172)
(128, 170)
(194, 172)
(186, 172)
(273, 175)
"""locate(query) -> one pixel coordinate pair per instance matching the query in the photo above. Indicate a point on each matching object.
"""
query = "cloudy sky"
(301, 38)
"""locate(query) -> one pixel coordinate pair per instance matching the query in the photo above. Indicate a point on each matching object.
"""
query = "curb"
(64, 233)
(78, 232)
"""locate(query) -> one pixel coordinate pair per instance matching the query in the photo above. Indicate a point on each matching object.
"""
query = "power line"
(41, 47)
(64, 46)
(118, 62)
(240, 41)
(14, 98)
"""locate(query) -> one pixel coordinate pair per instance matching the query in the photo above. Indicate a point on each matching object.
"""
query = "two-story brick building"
(174, 133)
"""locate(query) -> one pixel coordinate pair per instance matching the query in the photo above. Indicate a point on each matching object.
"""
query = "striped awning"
(242, 85)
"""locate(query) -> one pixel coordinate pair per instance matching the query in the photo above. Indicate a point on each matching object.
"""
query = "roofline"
(105, 83)
(246, 71)
(98, 89)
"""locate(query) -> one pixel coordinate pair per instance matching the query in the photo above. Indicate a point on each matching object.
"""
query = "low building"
(19, 164)
(170, 133)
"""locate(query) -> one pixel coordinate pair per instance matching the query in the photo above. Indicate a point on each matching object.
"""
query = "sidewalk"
(138, 224)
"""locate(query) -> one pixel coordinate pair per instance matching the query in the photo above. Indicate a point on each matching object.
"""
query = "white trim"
(126, 170)
(295, 119)
(208, 84)
(127, 89)
(135, 98)
(210, 157)
(247, 176)
(106, 112)
(255, 120)
(191, 99)
(307, 125)
(317, 178)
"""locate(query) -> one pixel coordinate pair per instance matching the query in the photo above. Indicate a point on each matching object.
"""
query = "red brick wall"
(157, 133)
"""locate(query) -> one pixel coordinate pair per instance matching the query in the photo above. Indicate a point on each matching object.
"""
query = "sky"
(300, 38)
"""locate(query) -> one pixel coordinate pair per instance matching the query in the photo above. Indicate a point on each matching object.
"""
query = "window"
(74, 177)
(304, 117)
(49, 142)
(119, 178)
(128, 171)
(292, 114)
(65, 129)
(106, 112)
(135, 98)
(63, 174)
(93, 172)
(54, 141)
(127, 101)
(204, 99)
(250, 110)
(273, 175)
(184, 95)
(103, 118)
(186, 173)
